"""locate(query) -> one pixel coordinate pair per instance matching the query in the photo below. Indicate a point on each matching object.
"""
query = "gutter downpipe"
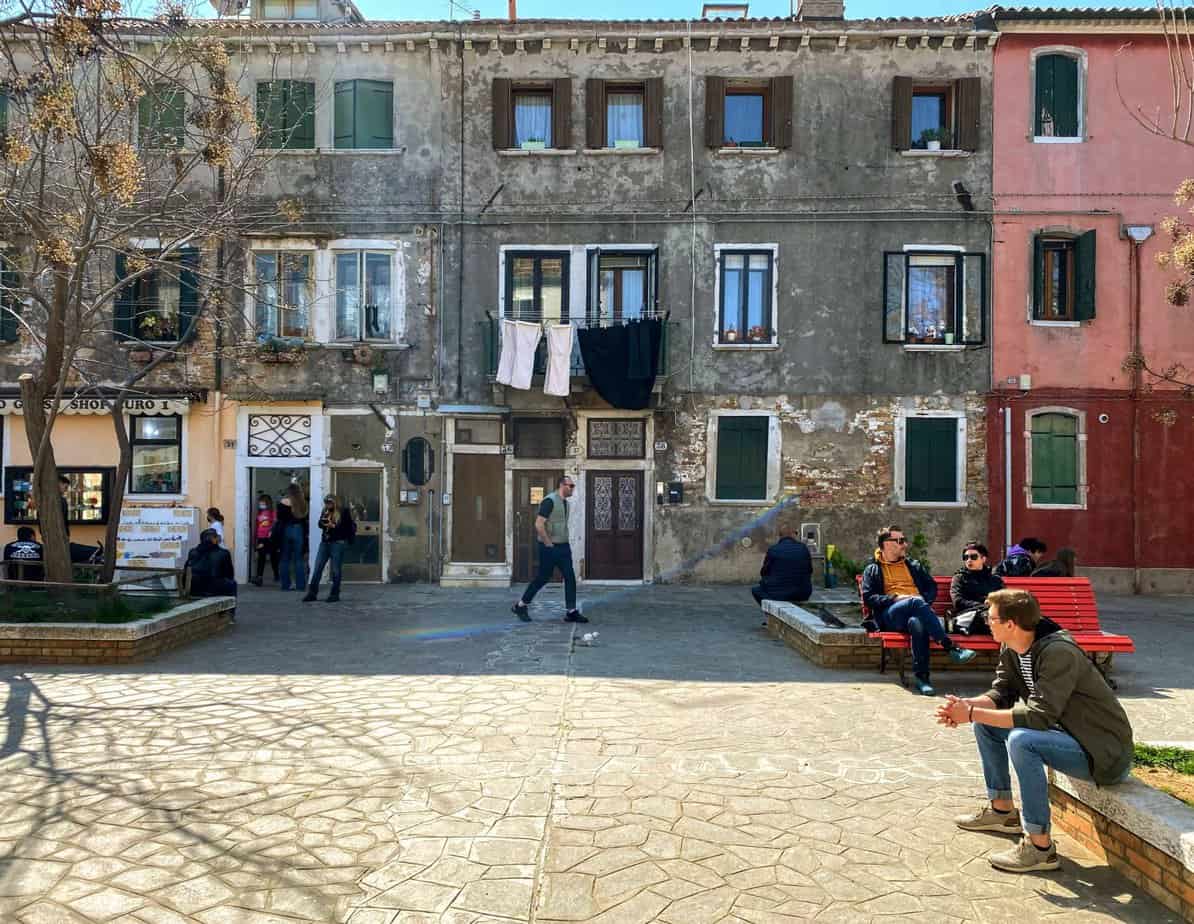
(1007, 477)
(460, 238)
(1134, 296)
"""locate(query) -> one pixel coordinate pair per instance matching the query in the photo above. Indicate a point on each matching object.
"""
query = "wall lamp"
(1138, 233)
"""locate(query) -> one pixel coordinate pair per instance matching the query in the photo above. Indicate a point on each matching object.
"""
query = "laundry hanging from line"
(520, 341)
(622, 361)
(559, 360)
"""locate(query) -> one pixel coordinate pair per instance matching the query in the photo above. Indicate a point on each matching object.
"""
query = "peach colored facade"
(1130, 523)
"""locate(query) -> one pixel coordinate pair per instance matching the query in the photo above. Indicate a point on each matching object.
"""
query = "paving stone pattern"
(415, 755)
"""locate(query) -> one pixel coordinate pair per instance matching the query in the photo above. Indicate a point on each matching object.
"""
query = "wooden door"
(614, 526)
(361, 493)
(529, 490)
(478, 508)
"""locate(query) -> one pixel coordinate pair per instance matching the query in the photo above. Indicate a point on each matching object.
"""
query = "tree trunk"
(116, 503)
(54, 539)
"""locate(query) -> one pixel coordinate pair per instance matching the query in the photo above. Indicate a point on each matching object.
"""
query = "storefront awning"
(168, 405)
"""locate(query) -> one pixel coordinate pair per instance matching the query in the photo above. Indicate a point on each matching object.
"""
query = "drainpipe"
(460, 226)
(1007, 477)
(1137, 234)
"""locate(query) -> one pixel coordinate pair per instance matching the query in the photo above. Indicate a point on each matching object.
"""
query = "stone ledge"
(811, 627)
(129, 631)
(1154, 816)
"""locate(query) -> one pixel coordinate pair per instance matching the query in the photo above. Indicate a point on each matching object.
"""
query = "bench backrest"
(1069, 602)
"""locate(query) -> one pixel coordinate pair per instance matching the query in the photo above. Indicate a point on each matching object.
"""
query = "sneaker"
(332, 598)
(923, 687)
(310, 598)
(520, 610)
(574, 616)
(962, 655)
(987, 819)
(1026, 857)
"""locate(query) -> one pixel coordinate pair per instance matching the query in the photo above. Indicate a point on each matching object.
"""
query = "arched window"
(1057, 87)
(1056, 467)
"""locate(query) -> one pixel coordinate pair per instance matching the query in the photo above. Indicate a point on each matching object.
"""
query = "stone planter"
(120, 643)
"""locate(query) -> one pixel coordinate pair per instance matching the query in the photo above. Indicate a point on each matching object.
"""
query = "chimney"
(512, 10)
(814, 10)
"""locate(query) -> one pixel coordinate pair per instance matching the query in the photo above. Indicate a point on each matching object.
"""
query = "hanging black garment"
(622, 374)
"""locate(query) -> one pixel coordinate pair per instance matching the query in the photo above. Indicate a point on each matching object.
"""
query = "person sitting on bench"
(1022, 558)
(899, 594)
(969, 588)
(1062, 566)
(211, 569)
(1049, 707)
(787, 572)
(26, 555)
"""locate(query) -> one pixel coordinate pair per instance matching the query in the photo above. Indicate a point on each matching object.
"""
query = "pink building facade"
(1083, 452)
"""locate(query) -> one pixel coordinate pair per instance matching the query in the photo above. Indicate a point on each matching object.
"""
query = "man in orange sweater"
(899, 593)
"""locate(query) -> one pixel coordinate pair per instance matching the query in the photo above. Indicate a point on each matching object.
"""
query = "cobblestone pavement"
(413, 754)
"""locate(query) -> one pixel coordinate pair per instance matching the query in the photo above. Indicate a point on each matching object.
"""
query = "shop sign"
(104, 405)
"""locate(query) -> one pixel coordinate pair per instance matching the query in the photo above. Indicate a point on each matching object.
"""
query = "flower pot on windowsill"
(730, 336)
(758, 334)
(533, 144)
(933, 146)
(623, 145)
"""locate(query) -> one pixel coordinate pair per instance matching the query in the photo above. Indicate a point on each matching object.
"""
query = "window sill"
(621, 152)
(744, 346)
(1049, 139)
(350, 345)
(746, 152)
(916, 152)
(542, 152)
(1056, 506)
(1036, 323)
(955, 505)
(761, 502)
(934, 347)
(150, 498)
(296, 152)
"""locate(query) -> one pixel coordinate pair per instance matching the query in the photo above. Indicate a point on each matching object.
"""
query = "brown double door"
(478, 508)
(529, 490)
(614, 526)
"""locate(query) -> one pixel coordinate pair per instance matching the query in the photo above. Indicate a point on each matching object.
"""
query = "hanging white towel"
(559, 359)
(505, 371)
(521, 338)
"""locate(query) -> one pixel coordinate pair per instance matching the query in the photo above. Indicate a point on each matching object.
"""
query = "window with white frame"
(742, 457)
(1055, 473)
(934, 297)
(157, 454)
(284, 283)
(746, 295)
(931, 459)
(364, 294)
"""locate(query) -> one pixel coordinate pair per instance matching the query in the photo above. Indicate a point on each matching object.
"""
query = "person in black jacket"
(212, 574)
(339, 531)
(1063, 565)
(899, 593)
(26, 555)
(1022, 558)
(969, 588)
(787, 572)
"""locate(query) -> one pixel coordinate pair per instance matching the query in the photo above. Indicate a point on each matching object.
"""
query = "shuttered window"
(742, 445)
(161, 117)
(1055, 459)
(948, 112)
(286, 114)
(10, 301)
(364, 117)
(1063, 276)
(160, 305)
(748, 113)
(623, 115)
(1057, 111)
(931, 460)
(934, 298)
(532, 116)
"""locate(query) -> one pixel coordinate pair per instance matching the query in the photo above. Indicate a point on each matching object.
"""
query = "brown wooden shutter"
(781, 111)
(594, 113)
(715, 111)
(968, 98)
(653, 112)
(561, 112)
(901, 113)
(503, 114)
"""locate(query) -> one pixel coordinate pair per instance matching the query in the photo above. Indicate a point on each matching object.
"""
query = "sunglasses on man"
(971, 556)
(900, 541)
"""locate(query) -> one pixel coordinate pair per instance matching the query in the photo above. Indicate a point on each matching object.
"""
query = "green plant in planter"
(918, 549)
(846, 569)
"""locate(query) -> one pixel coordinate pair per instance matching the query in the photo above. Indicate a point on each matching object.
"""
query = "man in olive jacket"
(1049, 707)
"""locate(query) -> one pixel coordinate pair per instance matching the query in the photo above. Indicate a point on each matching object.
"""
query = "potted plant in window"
(534, 144)
(931, 139)
(730, 335)
(758, 334)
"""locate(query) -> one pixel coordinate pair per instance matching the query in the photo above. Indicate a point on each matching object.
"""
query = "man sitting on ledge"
(899, 594)
(1049, 707)
(787, 572)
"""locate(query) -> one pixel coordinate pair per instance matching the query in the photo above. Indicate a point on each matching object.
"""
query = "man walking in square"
(1049, 707)
(551, 533)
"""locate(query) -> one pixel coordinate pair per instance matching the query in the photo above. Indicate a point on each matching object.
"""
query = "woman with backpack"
(339, 530)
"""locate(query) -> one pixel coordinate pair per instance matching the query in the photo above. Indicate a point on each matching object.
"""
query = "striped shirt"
(1026, 672)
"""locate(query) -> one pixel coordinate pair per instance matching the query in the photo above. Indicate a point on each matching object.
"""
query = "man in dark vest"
(551, 533)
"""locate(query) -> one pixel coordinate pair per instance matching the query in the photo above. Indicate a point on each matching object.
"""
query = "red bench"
(1069, 602)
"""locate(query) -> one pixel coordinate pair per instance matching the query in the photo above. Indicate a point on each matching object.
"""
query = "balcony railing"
(492, 344)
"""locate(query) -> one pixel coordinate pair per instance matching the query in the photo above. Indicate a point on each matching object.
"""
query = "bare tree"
(126, 164)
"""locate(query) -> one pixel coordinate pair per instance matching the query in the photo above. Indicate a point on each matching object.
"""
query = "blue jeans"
(328, 551)
(1031, 751)
(559, 556)
(915, 617)
(293, 558)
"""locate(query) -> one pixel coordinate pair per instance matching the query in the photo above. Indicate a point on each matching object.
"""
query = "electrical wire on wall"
(692, 202)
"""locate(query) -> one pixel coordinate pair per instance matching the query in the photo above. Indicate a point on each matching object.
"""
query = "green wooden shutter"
(1054, 459)
(161, 115)
(300, 115)
(123, 308)
(10, 302)
(346, 91)
(742, 458)
(1038, 277)
(1065, 96)
(271, 114)
(188, 290)
(3, 113)
(373, 122)
(1044, 93)
(931, 460)
(1084, 277)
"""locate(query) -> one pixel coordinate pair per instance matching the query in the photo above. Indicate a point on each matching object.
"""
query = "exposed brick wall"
(123, 651)
(1157, 873)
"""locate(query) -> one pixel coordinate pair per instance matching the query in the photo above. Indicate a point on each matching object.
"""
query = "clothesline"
(545, 323)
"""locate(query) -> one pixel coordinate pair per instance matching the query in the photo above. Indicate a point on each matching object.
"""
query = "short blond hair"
(1018, 606)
